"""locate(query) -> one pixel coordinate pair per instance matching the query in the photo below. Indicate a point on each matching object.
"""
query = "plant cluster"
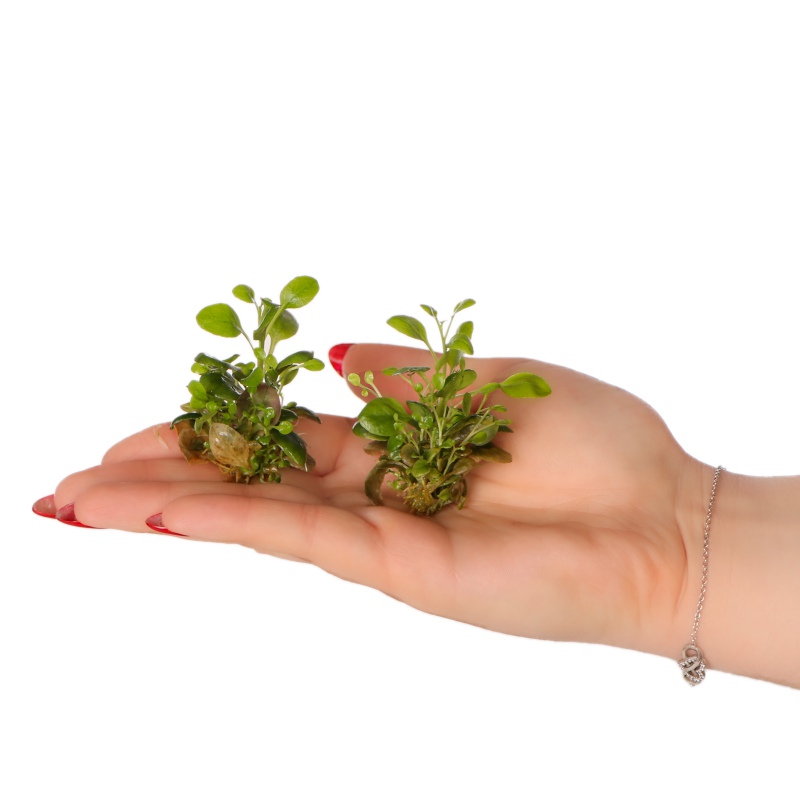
(236, 417)
(429, 445)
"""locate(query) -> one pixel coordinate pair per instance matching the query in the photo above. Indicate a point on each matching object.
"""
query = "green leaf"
(421, 468)
(253, 380)
(241, 371)
(461, 342)
(299, 292)
(484, 436)
(420, 412)
(284, 328)
(288, 414)
(488, 388)
(525, 384)
(197, 390)
(462, 466)
(394, 444)
(300, 357)
(375, 447)
(461, 430)
(408, 454)
(374, 481)
(452, 358)
(181, 417)
(302, 411)
(221, 320)
(438, 381)
(220, 386)
(490, 452)
(313, 365)
(288, 375)
(378, 416)
(199, 369)
(429, 310)
(244, 293)
(463, 304)
(409, 326)
(456, 382)
(293, 446)
(360, 430)
(404, 370)
(211, 362)
(466, 328)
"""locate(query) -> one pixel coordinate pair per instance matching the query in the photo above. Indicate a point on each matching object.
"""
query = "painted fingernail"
(66, 514)
(336, 356)
(45, 507)
(155, 523)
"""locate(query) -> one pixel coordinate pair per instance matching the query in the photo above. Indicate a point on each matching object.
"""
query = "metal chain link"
(694, 666)
(704, 581)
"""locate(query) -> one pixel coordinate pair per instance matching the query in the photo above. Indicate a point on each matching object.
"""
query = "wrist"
(750, 623)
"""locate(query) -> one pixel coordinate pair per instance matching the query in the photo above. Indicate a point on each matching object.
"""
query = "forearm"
(750, 621)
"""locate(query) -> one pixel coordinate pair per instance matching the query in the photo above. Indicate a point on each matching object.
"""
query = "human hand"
(582, 537)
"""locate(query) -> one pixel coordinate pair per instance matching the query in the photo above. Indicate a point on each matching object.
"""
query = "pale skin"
(593, 533)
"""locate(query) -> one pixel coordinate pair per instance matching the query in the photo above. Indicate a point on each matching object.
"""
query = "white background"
(615, 183)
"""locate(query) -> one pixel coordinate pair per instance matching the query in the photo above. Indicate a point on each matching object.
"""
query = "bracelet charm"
(693, 667)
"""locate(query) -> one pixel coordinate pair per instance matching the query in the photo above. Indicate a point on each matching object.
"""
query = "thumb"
(358, 358)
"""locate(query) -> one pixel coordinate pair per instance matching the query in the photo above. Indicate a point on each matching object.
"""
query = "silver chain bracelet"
(694, 666)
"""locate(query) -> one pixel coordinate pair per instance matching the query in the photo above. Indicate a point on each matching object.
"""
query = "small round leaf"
(299, 292)
(463, 304)
(244, 293)
(284, 328)
(378, 416)
(525, 384)
(409, 326)
(220, 319)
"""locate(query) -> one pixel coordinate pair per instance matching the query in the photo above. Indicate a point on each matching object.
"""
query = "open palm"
(582, 537)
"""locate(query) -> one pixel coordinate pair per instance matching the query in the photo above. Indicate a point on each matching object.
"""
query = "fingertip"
(156, 524)
(45, 507)
(336, 356)
(66, 514)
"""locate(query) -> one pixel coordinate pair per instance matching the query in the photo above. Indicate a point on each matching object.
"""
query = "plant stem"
(281, 309)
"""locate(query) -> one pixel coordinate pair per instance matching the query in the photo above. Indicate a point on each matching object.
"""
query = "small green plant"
(236, 417)
(429, 445)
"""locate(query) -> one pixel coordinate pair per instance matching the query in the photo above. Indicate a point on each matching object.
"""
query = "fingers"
(408, 558)
(126, 506)
(151, 470)
(337, 540)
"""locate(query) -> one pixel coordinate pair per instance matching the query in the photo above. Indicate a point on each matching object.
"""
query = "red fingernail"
(336, 356)
(66, 514)
(45, 507)
(156, 524)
